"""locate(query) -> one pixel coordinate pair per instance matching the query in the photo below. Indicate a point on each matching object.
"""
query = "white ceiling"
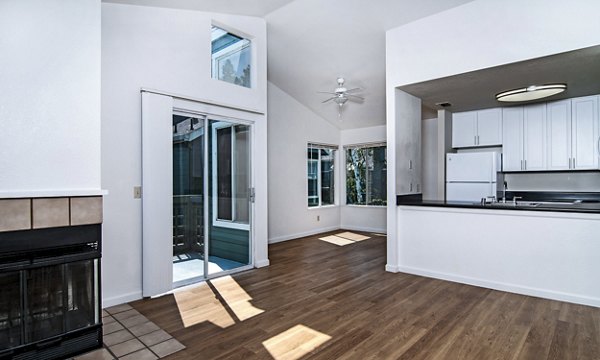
(237, 7)
(312, 42)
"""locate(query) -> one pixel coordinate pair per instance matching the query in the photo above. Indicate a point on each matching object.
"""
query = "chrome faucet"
(504, 192)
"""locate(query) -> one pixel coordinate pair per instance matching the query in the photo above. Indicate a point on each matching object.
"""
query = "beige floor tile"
(117, 337)
(100, 354)
(111, 327)
(143, 354)
(126, 314)
(143, 329)
(167, 348)
(134, 320)
(118, 308)
(108, 319)
(155, 337)
(127, 347)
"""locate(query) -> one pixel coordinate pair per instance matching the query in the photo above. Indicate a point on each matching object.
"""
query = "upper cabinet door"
(558, 125)
(512, 139)
(584, 127)
(534, 137)
(489, 127)
(464, 129)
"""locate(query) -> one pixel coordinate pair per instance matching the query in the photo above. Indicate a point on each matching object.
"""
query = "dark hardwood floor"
(319, 300)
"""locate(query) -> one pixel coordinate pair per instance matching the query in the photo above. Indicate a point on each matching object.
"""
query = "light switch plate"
(137, 192)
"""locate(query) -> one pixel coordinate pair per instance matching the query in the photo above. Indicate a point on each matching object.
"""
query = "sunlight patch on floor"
(344, 238)
(295, 342)
(230, 303)
(236, 297)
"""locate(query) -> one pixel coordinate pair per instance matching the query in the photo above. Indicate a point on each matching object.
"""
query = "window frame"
(214, 178)
(335, 158)
(247, 41)
(345, 180)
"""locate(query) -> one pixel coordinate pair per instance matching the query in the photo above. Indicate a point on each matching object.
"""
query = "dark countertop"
(563, 202)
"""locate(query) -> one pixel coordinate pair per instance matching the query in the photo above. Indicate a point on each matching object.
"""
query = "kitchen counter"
(550, 250)
(531, 201)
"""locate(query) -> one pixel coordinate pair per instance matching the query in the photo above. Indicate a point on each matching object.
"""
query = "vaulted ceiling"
(312, 42)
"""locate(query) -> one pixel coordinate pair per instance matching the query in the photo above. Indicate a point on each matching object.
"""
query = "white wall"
(486, 33)
(429, 160)
(291, 126)
(587, 181)
(168, 50)
(362, 218)
(474, 36)
(50, 88)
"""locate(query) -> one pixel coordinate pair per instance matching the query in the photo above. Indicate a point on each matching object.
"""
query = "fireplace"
(50, 305)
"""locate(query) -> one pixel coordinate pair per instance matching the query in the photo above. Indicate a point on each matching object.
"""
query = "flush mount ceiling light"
(532, 92)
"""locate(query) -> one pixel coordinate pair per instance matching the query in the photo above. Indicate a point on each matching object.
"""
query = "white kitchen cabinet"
(464, 129)
(584, 133)
(512, 138)
(524, 138)
(534, 137)
(573, 134)
(559, 134)
(477, 128)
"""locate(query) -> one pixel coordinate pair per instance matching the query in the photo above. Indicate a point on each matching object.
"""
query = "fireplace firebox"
(50, 303)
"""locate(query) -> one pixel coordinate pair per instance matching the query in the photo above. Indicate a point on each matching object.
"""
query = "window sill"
(367, 206)
(322, 207)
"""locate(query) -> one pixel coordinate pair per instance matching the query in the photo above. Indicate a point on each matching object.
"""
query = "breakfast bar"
(542, 248)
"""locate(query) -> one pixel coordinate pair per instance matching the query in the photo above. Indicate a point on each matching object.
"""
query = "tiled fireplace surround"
(39, 213)
(18, 214)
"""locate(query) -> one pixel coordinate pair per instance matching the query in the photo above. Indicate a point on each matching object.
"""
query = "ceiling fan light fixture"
(532, 92)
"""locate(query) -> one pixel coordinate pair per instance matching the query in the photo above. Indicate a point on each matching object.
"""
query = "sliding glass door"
(211, 198)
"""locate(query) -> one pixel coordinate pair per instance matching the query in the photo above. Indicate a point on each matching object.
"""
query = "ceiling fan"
(341, 94)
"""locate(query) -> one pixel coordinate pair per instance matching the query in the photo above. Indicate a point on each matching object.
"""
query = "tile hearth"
(130, 335)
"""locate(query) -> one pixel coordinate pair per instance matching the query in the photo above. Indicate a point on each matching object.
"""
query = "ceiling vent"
(444, 104)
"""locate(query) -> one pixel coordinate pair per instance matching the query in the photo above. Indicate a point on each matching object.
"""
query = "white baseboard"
(364, 229)
(277, 239)
(391, 268)
(513, 288)
(121, 299)
(261, 263)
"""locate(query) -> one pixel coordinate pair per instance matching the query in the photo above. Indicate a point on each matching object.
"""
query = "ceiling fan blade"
(323, 102)
(354, 89)
(326, 92)
(350, 96)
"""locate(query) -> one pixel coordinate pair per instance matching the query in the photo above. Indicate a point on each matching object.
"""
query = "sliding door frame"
(207, 221)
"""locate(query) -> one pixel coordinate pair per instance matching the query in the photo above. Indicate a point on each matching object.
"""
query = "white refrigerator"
(472, 176)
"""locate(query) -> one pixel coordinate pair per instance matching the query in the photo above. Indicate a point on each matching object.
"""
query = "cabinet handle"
(410, 164)
(478, 142)
(410, 187)
(474, 139)
(569, 163)
(525, 164)
(598, 145)
(521, 164)
(417, 187)
(574, 166)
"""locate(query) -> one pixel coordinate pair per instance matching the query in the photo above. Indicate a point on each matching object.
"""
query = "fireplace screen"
(50, 302)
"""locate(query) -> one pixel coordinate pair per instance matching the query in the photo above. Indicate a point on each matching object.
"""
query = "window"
(231, 174)
(231, 57)
(321, 174)
(366, 170)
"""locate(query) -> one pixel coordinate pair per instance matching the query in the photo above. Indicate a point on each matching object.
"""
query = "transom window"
(321, 174)
(366, 171)
(231, 57)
